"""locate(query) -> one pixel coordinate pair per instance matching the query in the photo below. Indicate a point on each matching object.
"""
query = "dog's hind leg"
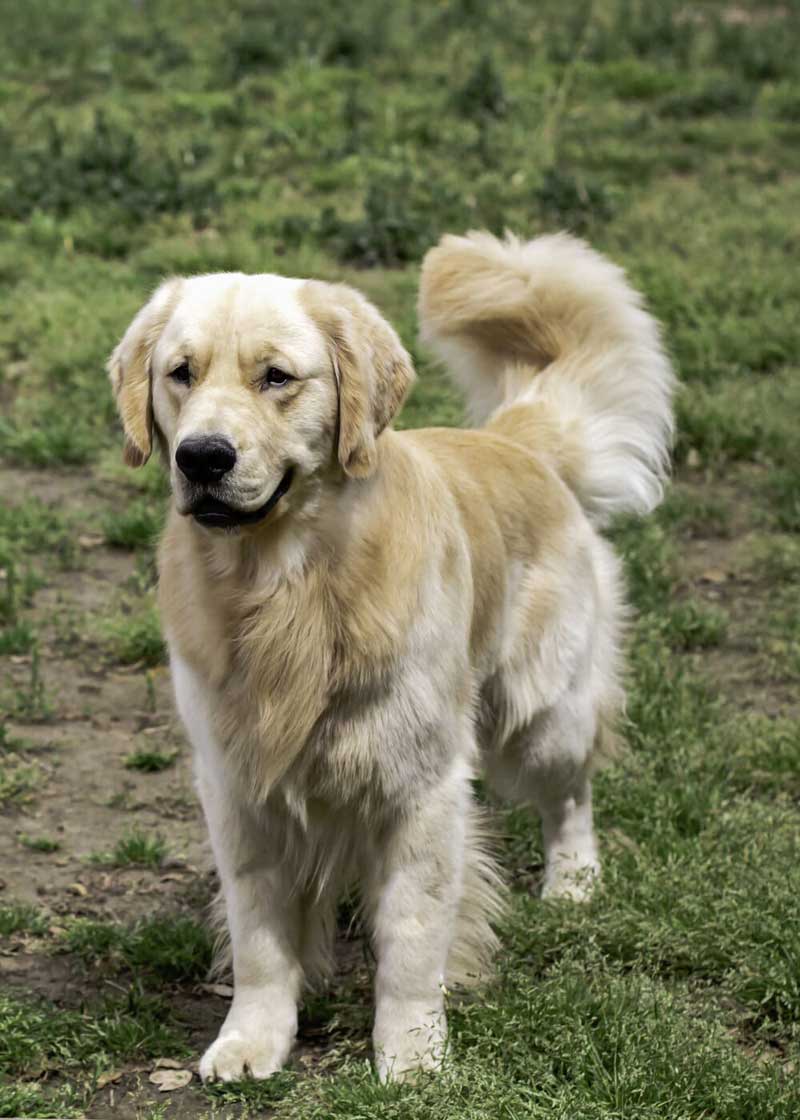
(548, 765)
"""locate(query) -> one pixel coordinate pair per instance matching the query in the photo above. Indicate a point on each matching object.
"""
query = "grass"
(55, 1041)
(134, 850)
(171, 948)
(146, 140)
(135, 527)
(40, 844)
(17, 918)
(134, 635)
(149, 762)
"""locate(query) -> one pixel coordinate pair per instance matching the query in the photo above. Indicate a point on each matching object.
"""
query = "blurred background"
(141, 139)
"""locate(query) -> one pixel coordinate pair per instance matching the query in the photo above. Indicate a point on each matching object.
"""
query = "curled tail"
(548, 339)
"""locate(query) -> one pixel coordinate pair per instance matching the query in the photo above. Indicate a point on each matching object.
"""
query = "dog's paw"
(575, 881)
(237, 1053)
(402, 1054)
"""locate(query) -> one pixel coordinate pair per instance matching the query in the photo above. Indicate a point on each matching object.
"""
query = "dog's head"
(252, 384)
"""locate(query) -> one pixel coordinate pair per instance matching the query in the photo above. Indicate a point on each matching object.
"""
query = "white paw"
(236, 1053)
(401, 1054)
(573, 880)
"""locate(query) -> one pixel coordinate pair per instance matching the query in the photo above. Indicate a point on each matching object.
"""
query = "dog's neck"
(313, 527)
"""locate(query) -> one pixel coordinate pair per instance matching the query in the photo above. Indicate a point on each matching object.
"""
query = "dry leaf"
(714, 575)
(106, 1078)
(167, 1080)
(79, 889)
(167, 1063)
(90, 541)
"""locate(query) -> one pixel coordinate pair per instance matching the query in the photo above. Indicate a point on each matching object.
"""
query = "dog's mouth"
(215, 514)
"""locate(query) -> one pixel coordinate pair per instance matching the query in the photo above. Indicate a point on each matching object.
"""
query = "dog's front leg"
(263, 912)
(414, 898)
(263, 920)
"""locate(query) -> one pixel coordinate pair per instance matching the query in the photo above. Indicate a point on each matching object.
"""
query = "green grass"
(134, 850)
(60, 1042)
(171, 948)
(134, 635)
(18, 918)
(134, 527)
(149, 762)
(143, 140)
(40, 844)
(19, 778)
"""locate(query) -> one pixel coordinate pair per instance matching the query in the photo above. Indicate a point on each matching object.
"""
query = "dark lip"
(215, 514)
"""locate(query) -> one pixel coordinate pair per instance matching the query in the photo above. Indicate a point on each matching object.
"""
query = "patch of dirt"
(85, 798)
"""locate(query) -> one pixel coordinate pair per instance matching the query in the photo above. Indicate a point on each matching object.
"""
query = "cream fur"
(417, 606)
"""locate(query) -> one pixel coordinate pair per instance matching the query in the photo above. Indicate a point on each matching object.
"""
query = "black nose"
(205, 459)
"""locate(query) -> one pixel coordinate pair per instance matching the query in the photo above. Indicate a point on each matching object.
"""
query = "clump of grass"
(39, 1036)
(17, 638)
(483, 93)
(19, 918)
(149, 762)
(649, 558)
(715, 97)
(693, 625)
(134, 850)
(18, 780)
(573, 200)
(103, 164)
(401, 218)
(136, 637)
(29, 700)
(134, 527)
(174, 948)
(776, 559)
(784, 491)
(698, 515)
(40, 843)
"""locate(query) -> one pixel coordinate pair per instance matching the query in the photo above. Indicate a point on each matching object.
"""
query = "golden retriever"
(359, 618)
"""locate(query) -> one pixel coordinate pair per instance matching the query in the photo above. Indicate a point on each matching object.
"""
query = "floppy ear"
(373, 370)
(129, 370)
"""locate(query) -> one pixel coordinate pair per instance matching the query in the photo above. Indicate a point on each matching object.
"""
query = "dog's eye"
(276, 377)
(181, 373)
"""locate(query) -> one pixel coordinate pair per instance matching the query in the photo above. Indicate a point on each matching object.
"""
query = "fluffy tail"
(548, 339)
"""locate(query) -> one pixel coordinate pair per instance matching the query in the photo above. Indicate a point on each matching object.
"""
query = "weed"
(572, 201)
(135, 526)
(692, 626)
(483, 93)
(150, 762)
(40, 844)
(18, 780)
(135, 637)
(30, 701)
(18, 918)
(134, 850)
(784, 490)
(173, 948)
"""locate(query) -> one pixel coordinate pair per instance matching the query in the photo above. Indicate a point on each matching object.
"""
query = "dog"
(361, 619)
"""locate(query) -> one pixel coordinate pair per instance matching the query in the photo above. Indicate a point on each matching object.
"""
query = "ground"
(144, 138)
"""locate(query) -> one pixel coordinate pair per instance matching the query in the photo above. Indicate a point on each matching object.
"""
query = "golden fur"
(416, 604)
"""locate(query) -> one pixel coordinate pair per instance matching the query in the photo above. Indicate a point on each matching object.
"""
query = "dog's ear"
(373, 370)
(129, 370)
